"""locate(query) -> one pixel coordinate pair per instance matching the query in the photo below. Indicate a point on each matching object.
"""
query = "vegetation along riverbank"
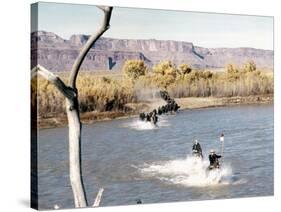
(106, 95)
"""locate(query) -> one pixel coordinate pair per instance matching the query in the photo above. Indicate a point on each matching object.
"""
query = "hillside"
(58, 54)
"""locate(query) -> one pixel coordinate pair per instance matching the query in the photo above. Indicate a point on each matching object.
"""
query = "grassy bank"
(109, 95)
(185, 104)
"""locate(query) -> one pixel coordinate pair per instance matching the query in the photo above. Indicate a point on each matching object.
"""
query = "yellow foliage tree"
(250, 66)
(165, 73)
(184, 69)
(133, 69)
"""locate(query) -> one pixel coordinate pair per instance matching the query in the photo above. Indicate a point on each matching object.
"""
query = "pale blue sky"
(203, 29)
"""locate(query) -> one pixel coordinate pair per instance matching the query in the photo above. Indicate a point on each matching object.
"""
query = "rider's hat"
(212, 151)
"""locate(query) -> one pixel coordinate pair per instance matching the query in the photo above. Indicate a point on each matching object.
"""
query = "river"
(133, 160)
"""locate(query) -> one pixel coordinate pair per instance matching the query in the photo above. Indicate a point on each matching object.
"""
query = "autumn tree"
(184, 69)
(250, 66)
(133, 69)
(165, 73)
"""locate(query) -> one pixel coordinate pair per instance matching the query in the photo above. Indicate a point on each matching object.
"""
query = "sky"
(202, 29)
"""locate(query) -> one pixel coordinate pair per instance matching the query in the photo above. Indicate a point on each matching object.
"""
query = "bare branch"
(98, 198)
(104, 8)
(68, 92)
(77, 64)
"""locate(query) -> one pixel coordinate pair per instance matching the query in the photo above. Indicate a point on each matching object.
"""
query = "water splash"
(190, 172)
(137, 124)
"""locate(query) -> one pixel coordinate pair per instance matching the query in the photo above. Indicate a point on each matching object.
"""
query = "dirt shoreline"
(185, 104)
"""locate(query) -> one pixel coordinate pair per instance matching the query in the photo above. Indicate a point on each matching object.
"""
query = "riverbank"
(206, 102)
(136, 108)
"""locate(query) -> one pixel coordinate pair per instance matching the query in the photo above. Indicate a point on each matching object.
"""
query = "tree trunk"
(72, 110)
(75, 172)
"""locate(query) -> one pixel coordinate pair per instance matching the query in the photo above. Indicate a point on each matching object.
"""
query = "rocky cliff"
(58, 54)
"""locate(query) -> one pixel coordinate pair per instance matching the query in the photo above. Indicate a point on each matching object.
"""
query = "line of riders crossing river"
(170, 107)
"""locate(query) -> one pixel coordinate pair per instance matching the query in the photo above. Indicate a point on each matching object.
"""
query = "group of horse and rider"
(213, 157)
(170, 107)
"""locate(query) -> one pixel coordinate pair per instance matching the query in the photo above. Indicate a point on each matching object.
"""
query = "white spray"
(137, 124)
(191, 172)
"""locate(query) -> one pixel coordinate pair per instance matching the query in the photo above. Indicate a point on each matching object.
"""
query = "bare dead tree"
(72, 109)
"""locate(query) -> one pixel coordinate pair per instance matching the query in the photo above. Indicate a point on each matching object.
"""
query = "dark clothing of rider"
(197, 147)
(213, 158)
(197, 150)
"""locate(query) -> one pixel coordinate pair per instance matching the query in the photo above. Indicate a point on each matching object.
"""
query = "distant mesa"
(58, 54)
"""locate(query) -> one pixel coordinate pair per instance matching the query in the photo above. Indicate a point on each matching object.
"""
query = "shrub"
(100, 93)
